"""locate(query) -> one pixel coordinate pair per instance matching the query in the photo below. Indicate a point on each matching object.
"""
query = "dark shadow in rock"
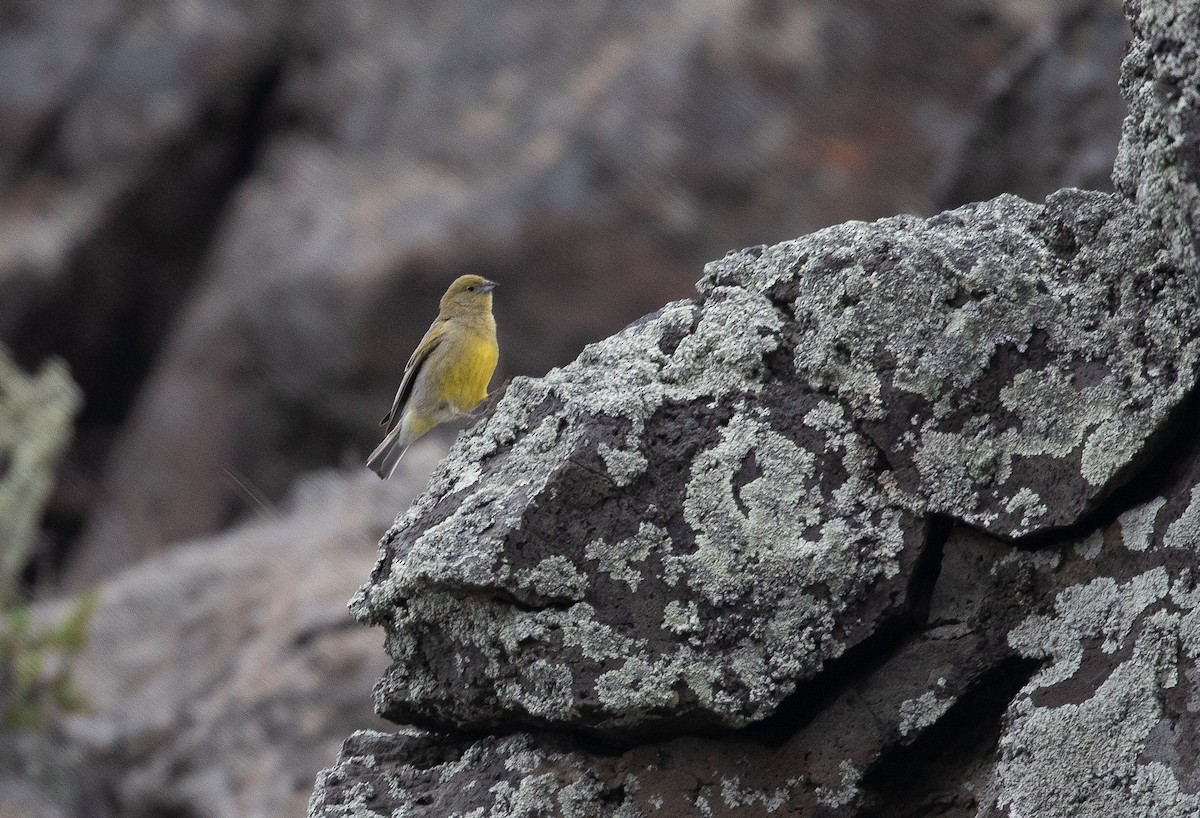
(924, 777)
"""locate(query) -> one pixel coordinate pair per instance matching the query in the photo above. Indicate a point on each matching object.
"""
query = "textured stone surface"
(905, 719)
(1120, 680)
(1158, 162)
(702, 509)
(1060, 683)
(671, 580)
(1011, 383)
(1009, 360)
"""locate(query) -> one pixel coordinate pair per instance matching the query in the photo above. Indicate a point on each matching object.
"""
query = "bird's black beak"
(488, 286)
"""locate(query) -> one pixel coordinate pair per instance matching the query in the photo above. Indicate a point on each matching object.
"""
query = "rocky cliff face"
(898, 518)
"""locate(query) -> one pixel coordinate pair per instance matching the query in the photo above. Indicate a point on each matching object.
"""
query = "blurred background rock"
(232, 220)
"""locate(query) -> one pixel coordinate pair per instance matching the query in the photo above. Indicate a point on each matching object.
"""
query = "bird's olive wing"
(428, 344)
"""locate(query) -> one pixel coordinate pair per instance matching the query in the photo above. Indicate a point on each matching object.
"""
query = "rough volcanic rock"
(1009, 360)
(1109, 724)
(702, 509)
(916, 704)
(1158, 162)
(1004, 392)
(1060, 683)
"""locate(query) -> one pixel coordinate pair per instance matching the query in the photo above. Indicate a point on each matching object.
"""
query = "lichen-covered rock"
(828, 754)
(384, 774)
(1158, 162)
(1095, 642)
(1010, 360)
(703, 509)
(662, 531)
(790, 505)
(1119, 643)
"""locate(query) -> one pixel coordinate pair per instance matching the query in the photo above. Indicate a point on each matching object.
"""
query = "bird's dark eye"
(471, 289)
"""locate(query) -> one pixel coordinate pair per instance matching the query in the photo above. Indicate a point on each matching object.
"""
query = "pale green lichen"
(920, 307)
(1101, 608)
(736, 796)
(1137, 524)
(847, 793)
(1028, 503)
(681, 619)
(618, 559)
(555, 577)
(923, 711)
(1152, 620)
(1184, 532)
(623, 466)
(640, 686)
(1101, 775)
(1090, 546)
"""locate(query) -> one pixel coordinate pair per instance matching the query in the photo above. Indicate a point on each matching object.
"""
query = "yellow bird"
(449, 373)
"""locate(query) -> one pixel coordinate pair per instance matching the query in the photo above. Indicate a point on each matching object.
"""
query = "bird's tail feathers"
(386, 457)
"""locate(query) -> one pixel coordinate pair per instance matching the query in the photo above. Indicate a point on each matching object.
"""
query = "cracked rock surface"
(893, 518)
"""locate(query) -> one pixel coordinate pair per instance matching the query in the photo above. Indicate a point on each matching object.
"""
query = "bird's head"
(468, 294)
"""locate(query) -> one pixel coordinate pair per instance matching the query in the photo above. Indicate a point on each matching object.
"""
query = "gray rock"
(680, 590)
(1093, 641)
(424, 775)
(704, 508)
(979, 424)
(1009, 360)
(1158, 163)
(1119, 645)
(837, 748)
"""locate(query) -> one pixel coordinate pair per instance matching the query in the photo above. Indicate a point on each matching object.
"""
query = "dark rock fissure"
(1161, 462)
(929, 567)
(812, 696)
(922, 778)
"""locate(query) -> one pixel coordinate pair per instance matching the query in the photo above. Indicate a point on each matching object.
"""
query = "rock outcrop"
(891, 519)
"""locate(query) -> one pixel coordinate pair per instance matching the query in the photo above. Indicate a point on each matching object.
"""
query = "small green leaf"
(75, 629)
(28, 671)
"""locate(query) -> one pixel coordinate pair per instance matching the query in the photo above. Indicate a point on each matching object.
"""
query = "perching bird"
(448, 375)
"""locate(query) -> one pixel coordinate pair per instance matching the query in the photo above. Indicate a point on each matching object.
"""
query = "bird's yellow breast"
(469, 370)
